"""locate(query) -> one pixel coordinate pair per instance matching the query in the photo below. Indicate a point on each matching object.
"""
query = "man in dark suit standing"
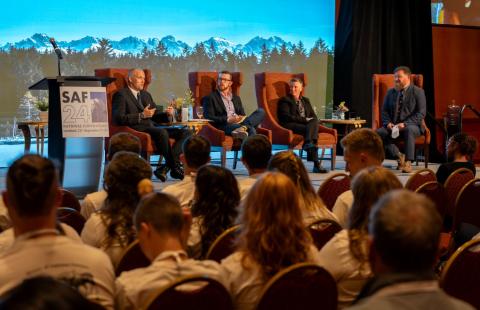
(295, 112)
(134, 107)
(403, 112)
(226, 111)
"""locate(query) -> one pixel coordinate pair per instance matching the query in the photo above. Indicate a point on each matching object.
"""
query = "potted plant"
(42, 106)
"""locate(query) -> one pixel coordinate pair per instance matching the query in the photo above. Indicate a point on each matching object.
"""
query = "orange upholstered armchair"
(381, 84)
(148, 148)
(270, 87)
(202, 84)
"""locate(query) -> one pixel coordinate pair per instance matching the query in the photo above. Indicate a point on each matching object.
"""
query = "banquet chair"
(131, 258)
(332, 187)
(419, 178)
(322, 231)
(224, 245)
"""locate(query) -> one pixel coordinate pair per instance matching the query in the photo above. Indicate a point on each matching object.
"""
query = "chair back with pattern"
(460, 275)
(224, 245)
(72, 218)
(454, 184)
(69, 200)
(419, 178)
(131, 258)
(467, 208)
(206, 294)
(332, 187)
(322, 231)
(436, 192)
(301, 286)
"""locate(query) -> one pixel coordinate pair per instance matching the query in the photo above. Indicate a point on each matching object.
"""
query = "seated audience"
(214, 208)
(122, 141)
(45, 293)
(32, 198)
(111, 228)
(273, 237)
(361, 148)
(404, 229)
(256, 152)
(196, 153)
(345, 256)
(160, 225)
(460, 150)
(311, 204)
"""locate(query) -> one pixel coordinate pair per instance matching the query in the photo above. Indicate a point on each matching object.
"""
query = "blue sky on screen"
(189, 20)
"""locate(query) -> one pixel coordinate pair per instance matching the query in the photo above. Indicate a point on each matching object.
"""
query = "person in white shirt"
(214, 209)
(32, 198)
(111, 228)
(312, 206)
(122, 141)
(256, 152)
(273, 237)
(345, 256)
(361, 148)
(161, 229)
(196, 153)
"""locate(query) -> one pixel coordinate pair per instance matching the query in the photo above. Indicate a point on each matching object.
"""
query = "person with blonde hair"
(345, 256)
(311, 204)
(273, 237)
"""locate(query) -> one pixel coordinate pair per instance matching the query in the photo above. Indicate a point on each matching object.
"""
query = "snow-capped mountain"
(136, 45)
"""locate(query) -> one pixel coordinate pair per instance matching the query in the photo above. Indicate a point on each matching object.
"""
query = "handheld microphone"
(56, 49)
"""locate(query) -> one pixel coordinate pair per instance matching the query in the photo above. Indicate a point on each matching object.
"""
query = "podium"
(80, 160)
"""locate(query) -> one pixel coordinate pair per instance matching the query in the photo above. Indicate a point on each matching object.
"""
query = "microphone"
(56, 49)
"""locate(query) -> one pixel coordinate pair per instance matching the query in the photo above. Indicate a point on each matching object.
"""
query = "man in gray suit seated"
(403, 111)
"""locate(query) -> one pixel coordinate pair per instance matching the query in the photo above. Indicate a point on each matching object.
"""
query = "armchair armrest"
(265, 132)
(212, 134)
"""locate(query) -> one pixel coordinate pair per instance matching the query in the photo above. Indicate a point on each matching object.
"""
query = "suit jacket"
(413, 108)
(126, 110)
(214, 109)
(287, 110)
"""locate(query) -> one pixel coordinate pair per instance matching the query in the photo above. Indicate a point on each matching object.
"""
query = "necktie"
(399, 107)
(139, 99)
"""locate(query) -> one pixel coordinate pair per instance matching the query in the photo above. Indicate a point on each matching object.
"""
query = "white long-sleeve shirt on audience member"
(63, 258)
(92, 203)
(342, 207)
(246, 284)
(7, 237)
(183, 190)
(135, 287)
(245, 184)
(347, 271)
(94, 233)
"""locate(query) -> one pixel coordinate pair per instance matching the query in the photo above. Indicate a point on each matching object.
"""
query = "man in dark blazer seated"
(403, 111)
(134, 107)
(226, 111)
(295, 112)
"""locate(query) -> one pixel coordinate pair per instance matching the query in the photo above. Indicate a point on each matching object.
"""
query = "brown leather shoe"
(407, 168)
(401, 161)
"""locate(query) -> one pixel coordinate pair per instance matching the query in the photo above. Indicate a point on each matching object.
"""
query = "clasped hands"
(149, 112)
(399, 125)
(234, 119)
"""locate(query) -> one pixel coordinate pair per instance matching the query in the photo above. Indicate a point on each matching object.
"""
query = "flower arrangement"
(339, 113)
(342, 107)
(188, 100)
(42, 105)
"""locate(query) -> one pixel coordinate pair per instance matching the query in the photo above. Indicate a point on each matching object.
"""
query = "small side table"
(350, 124)
(39, 134)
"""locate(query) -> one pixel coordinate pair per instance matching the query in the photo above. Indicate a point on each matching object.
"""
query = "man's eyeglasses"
(225, 80)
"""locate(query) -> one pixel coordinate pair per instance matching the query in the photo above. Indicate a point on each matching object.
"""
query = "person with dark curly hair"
(214, 208)
(460, 150)
(111, 228)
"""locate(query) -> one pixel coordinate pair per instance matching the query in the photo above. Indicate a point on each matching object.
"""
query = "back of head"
(123, 141)
(405, 227)
(273, 233)
(256, 152)
(162, 211)
(464, 144)
(32, 183)
(196, 150)
(45, 293)
(365, 140)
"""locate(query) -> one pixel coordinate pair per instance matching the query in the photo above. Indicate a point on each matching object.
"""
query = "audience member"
(111, 228)
(296, 113)
(214, 208)
(122, 141)
(160, 225)
(345, 256)
(403, 111)
(460, 150)
(32, 198)
(273, 237)
(45, 293)
(311, 204)
(361, 148)
(256, 152)
(196, 153)
(405, 230)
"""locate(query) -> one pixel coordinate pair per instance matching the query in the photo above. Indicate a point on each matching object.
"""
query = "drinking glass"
(200, 112)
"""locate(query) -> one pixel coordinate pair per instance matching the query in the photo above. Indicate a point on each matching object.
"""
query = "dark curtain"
(375, 36)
